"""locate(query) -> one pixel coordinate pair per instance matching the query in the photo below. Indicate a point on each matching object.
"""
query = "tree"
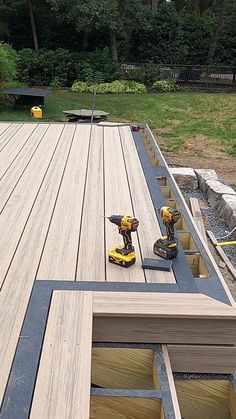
(161, 41)
(113, 16)
(197, 6)
(13, 7)
(7, 63)
(33, 26)
(3, 18)
(219, 8)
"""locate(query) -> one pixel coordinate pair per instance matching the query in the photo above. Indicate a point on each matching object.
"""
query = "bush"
(80, 87)
(55, 84)
(98, 67)
(61, 67)
(8, 59)
(5, 99)
(164, 86)
(146, 73)
(118, 86)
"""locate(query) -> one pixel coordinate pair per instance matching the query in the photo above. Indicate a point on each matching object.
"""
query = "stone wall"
(220, 196)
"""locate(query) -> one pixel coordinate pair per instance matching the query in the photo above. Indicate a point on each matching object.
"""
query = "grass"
(175, 117)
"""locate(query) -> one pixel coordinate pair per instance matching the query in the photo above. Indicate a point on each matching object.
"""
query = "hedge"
(61, 67)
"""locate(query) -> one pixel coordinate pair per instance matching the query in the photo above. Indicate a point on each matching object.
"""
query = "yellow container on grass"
(36, 112)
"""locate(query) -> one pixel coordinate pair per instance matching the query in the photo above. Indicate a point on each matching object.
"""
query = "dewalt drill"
(124, 255)
(167, 247)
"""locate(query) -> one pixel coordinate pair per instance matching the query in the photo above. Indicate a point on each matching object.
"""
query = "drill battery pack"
(118, 258)
(166, 249)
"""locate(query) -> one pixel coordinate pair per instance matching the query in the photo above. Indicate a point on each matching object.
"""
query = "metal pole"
(93, 105)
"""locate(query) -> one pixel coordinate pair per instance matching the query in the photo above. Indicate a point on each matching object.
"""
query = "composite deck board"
(20, 277)
(161, 304)
(91, 257)
(118, 201)
(14, 147)
(3, 127)
(149, 230)
(11, 178)
(46, 190)
(8, 134)
(17, 210)
(63, 384)
(60, 251)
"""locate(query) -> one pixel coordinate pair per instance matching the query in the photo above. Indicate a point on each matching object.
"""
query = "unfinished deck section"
(65, 311)
(57, 183)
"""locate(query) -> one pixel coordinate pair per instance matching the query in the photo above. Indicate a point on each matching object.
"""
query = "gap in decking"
(197, 266)
(186, 240)
(123, 368)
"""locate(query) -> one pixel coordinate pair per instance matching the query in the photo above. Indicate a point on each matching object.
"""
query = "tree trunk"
(113, 45)
(85, 39)
(155, 5)
(33, 26)
(186, 7)
(197, 7)
(220, 23)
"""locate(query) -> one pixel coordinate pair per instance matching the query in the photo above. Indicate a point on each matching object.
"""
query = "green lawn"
(176, 117)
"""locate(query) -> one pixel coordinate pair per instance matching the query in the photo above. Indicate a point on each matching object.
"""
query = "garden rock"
(228, 210)
(215, 191)
(203, 176)
(185, 177)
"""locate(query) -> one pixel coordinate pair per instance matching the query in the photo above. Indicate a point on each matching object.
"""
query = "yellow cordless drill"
(167, 247)
(124, 255)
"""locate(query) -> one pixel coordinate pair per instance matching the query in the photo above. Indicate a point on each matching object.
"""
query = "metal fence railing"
(194, 75)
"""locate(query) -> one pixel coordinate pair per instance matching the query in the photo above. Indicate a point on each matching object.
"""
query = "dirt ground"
(201, 153)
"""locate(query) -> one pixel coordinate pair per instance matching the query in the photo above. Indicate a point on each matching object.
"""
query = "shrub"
(42, 67)
(61, 67)
(80, 87)
(164, 86)
(5, 99)
(147, 73)
(98, 67)
(8, 59)
(116, 87)
(55, 84)
(134, 87)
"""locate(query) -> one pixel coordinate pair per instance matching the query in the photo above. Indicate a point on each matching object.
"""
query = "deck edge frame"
(211, 286)
(21, 383)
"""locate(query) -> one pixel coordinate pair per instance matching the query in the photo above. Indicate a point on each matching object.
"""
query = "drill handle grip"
(126, 234)
(170, 230)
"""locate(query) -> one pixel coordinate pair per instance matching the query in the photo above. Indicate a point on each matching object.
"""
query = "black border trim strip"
(183, 273)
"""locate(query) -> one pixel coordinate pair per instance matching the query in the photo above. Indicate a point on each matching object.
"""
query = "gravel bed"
(218, 227)
(200, 376)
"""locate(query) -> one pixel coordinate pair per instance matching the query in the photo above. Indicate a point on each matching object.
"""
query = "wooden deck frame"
(27, 357)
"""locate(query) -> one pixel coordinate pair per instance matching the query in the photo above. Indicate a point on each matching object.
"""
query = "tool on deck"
(124, 255)
(167, 247)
